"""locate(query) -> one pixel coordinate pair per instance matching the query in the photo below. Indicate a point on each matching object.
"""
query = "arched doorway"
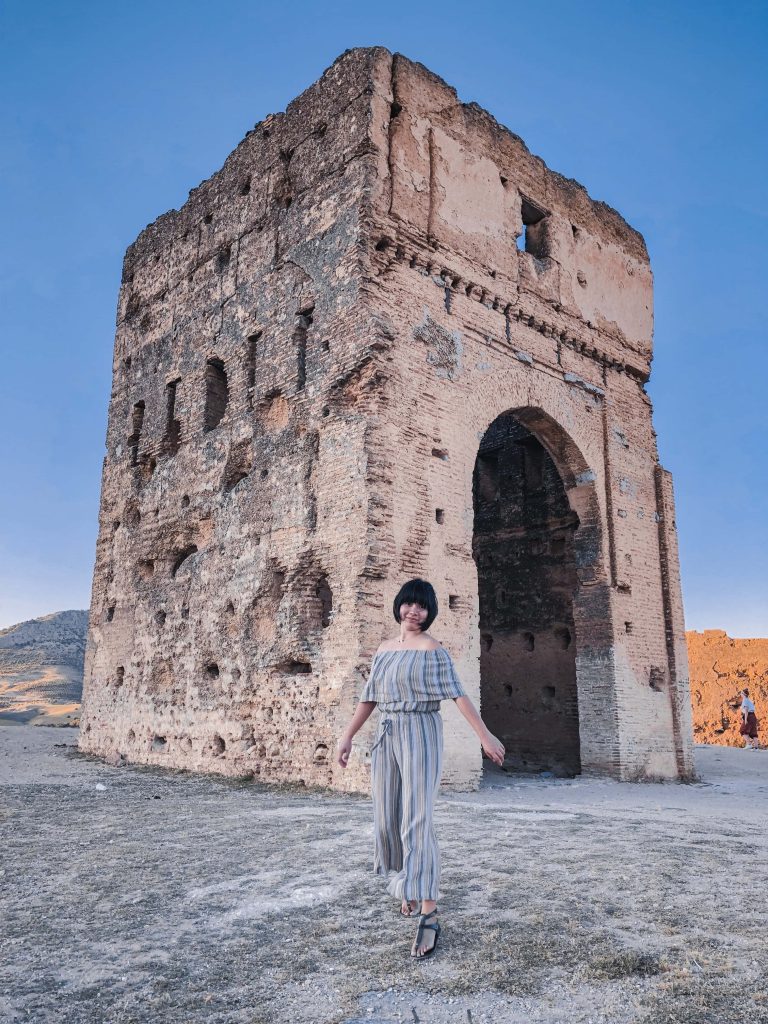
(526, 556)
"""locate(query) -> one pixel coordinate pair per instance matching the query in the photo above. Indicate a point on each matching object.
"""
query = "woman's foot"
(426, 935)
(409, 908)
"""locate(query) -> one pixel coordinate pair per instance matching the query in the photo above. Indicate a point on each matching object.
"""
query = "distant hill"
(41, 669)
(720, 666)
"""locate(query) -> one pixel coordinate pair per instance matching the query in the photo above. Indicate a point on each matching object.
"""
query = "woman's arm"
(493, 747)
(363, 712)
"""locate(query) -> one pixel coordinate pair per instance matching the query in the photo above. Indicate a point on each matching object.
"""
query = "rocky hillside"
(720, 666)
(41, 669)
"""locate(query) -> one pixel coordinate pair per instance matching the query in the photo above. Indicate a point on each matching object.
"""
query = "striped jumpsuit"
(406, 762)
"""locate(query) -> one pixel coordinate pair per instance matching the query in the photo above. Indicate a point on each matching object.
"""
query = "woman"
(748, 720)
(410, 675)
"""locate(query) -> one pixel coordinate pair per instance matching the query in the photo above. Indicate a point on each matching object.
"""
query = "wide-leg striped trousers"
(406, 762)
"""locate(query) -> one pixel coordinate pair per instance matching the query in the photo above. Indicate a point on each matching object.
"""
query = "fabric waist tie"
(386, 726)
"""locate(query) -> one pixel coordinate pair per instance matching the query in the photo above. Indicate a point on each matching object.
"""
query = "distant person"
(748, 721)
(410, 675)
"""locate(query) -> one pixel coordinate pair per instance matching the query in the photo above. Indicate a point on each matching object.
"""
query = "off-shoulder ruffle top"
(409, 680)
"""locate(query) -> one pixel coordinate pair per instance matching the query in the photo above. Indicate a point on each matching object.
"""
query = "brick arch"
(591, 601)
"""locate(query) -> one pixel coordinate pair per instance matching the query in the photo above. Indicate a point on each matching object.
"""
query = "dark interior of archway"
(523, 548)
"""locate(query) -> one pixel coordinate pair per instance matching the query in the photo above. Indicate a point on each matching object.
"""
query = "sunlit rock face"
(720, 668)
(41, 669)
(385, 340)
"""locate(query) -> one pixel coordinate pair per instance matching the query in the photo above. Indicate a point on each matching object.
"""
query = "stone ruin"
(385, 340)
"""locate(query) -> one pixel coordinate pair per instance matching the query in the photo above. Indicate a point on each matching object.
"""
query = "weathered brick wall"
(560, 333)
(350, 283)
(212, 643)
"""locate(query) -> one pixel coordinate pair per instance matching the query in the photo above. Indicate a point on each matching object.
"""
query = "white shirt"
(747, 705)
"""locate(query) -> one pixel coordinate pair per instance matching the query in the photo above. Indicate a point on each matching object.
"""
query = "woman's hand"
(343, 750)
(493, 748)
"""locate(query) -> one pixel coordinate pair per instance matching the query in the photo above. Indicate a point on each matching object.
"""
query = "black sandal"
(435, 926)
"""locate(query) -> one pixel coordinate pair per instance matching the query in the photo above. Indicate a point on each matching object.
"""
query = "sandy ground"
(132, 895)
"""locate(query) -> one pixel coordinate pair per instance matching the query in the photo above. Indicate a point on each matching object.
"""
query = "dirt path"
(133, 895)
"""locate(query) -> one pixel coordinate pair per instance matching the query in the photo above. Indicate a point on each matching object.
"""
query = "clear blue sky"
(111, 112)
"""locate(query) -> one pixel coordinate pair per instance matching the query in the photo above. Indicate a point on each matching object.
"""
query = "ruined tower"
(385, 340)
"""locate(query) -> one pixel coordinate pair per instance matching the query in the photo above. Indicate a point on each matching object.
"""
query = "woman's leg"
(420, 752)
(386, 791)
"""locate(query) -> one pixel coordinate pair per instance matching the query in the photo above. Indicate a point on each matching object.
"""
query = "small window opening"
(223, 258)
(212, 670)
(208, 218)
(216, 393)
(110, 613)
(172, 425)
(160, 617)
(439, 516)
(532, 239)
(487, 477)
(440, 453)
(120, 676)
(253, 350)
(325, 594)
(453, 601)
(219, 746)
(245, 187)
(533, 463)
(137, 422)
(304, 320)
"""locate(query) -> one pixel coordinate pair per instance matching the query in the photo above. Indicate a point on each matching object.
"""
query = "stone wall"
(308, 357)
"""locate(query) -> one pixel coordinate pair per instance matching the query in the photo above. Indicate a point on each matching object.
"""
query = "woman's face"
(412, 615)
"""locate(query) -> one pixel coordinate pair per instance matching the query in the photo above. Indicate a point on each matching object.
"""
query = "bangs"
(417, 592)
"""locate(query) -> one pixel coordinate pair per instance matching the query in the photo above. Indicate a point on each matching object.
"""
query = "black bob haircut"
(417, 592)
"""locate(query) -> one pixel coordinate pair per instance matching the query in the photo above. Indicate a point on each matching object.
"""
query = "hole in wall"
(119, 675)
(294, 668)
(325, 595)
(131, 735)
(439, 516)
(453, 602)
(208, 218)
(245, 187)
(216, 393)
(233, 480)
(146, 568)
(440, 453)
(110, 613)
(212, 670)
(628, 627)
(321, 752)
(159, 744)
(185, 501)
(218, 745)
(563, 637)
(160, 617)
(182, 556)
